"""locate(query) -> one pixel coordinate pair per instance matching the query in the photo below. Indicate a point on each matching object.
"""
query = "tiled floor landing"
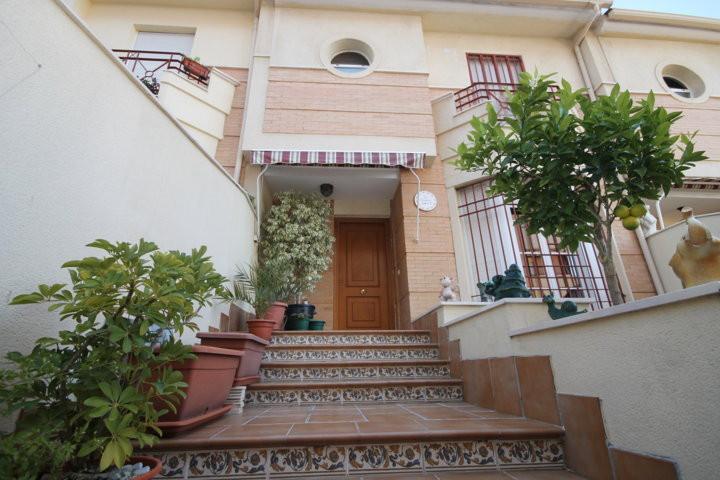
(321, 441)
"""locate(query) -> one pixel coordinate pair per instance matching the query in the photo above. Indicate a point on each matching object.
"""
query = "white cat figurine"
(447, 294)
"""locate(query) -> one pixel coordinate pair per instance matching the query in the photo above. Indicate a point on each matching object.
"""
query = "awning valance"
(386, 159)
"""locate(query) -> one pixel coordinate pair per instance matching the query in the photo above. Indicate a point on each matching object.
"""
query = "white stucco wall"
(88, 153)
(448, 66)
(653, 363)
(223, 37)
(202, 110)
(396, 40)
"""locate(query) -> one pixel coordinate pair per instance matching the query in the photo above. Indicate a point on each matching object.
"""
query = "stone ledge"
(712, 288)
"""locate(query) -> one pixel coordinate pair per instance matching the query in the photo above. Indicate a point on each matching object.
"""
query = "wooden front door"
(362, 289)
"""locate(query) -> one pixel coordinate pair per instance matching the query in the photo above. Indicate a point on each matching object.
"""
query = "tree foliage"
(95, 389)
(568, 161)
(297, 232)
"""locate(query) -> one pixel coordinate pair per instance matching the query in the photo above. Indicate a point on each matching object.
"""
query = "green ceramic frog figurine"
(567, 308)
(510, 285)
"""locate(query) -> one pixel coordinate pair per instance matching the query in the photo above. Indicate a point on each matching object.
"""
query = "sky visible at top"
(698, 8)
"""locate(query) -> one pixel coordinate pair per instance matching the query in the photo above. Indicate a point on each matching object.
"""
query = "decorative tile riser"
(354, 395)
(323, 373)
(280, 355)
(360, 339)
(352, 459)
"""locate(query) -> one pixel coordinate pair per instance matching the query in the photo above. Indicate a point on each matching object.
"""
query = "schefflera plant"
(96, 389)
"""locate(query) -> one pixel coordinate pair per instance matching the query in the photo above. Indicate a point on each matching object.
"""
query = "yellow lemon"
(622, 211)
(638, 210)
(631, 222)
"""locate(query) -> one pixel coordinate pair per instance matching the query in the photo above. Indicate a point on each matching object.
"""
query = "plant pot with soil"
(195, 68)
(297, 322)
(106, 383)
(261, 286)
(276, 313)
(252, 346)
(316, 325)
(209, 377)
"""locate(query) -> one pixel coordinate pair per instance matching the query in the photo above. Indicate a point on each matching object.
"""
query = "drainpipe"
(258, 199)
(417, 206)
(578, 54)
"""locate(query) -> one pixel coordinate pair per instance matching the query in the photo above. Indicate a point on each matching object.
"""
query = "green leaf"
(27, 298)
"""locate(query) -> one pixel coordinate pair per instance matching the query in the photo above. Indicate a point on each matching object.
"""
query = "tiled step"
(399, 351)
(351, 337)
(278, 371)
(321, 440)
(354, 391)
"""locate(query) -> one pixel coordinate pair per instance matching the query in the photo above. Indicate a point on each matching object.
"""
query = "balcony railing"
(147, 64)
(481, 92)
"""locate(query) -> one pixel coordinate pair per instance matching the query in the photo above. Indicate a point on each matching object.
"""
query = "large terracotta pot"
(152, 462)
(261, 328)
(252, 346)
(210, 377)
(276, 313)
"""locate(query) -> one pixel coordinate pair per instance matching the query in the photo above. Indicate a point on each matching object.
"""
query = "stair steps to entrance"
(315, 441)
(353, 366)
(355, 390)
(352, 403)
(279, 371)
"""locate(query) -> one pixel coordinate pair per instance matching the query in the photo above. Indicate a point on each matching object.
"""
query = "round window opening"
(350, 62)
(682, 82)
(349, 57)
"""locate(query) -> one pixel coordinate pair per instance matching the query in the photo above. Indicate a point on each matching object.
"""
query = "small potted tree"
(87, 397)
(575, 165)
(297, 231)
(261, 286)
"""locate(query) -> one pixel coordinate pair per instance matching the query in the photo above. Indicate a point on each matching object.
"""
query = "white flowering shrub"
(296, 230)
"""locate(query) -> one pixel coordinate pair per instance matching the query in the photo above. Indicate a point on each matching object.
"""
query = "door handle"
(363, 291)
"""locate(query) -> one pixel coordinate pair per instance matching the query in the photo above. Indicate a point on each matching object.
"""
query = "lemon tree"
(574, 165)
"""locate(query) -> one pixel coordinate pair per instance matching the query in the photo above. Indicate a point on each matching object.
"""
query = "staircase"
(350, 366)
(348, 403)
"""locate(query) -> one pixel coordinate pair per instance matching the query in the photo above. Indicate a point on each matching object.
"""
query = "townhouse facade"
(372, 97)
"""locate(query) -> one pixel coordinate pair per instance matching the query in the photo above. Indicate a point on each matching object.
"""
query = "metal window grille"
(494, 242)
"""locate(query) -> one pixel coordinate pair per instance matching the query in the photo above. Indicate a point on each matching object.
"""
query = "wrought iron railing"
(481, 92)
(147, 64)
(493, 241)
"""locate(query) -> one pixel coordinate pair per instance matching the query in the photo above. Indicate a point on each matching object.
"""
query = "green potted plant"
(86, 398)
(297, 231)
(261, 286)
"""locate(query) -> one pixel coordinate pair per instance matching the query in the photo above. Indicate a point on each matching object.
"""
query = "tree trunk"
(603, 241)
(606, 259)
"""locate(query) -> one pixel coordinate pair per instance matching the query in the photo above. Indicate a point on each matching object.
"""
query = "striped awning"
(385, 159)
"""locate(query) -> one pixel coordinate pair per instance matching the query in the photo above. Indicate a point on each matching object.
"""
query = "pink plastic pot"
(252, 346)
(210, 377)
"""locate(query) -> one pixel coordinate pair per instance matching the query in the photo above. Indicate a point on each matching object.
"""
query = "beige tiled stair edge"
(318, 461)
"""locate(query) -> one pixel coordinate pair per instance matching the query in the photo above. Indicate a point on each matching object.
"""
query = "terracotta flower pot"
(262, 328)
(276, 313)
(252, 346)
(210, 377)
(196, 68)
(152, 462)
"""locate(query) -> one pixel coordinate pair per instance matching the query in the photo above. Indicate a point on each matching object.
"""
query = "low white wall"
(654, 364)
(202, 110)
(662, 245)
(88, 153)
